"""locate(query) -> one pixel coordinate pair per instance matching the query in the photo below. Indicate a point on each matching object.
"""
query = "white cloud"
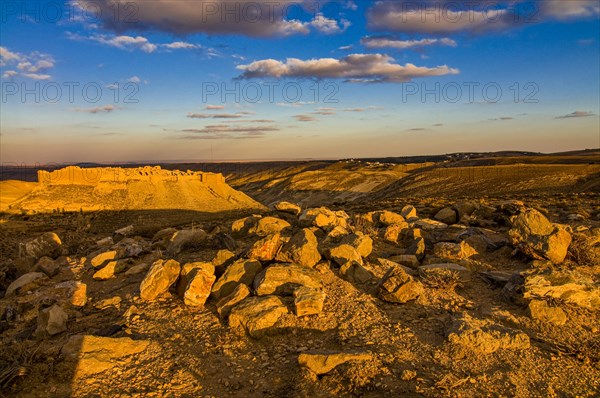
(34, 65)
(99, 109)
(305, 118)
(216, 115)
(383, 42)
(131, 43)
(134, 79)
(329, 26)
(354, 68)
(178, 45)
(214, 107)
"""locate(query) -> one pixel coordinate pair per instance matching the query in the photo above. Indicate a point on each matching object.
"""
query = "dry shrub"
(16, 360)
(442, 279)
(583, 252)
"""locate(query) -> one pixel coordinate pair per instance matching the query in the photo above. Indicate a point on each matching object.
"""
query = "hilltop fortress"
(76, 188)
(75, 175)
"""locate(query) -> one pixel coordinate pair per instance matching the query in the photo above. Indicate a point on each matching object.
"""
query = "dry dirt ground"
(191, 352)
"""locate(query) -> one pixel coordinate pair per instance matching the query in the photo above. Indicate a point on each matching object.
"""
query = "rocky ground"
(426, 297)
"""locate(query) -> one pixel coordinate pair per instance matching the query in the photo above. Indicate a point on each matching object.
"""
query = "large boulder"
(270, 225)
(447, 216)
(355, 272)
(397, 286)
(198, 288)
(48, 244)
(321, 362)
(323, 218)
(344, 253)
(308, 301)
(394, 232)
(265, 249)
(256, 315)
(535, 236)
(288, 207)
(159, 279)
(187, 274)
(386, 218)
(225, 305)
(242, 271)
(361, 242)
(302, 249)
(283, 279)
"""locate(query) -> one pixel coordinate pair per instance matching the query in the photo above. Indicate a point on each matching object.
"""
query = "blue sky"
(393, 78)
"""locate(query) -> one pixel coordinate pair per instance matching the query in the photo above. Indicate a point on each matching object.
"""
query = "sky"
(197, 80)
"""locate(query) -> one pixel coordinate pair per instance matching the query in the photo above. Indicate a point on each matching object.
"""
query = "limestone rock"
(361, 242)
(103, 258)
(244, 225)
(270, 225)
(343, 254)
(97, 354)
(302, 249)
(110, 270)
(266, 248)
(464, 209)
(184, 239)
(485, 337)
(324, 362)
(198, 288)
(391, 264)
(78, 294)
(159, 279)
(386, 218)
(222, 260)
(46, 245)
(186, 275)
(355, 272)
(323, 218)
(408, 212)
(225, 305)
(568, 286)
(125, 231)
(397, 286)
(47, 266)
(455, 251)
(447, 216)
(288, 207)
(24, 283)
(308, 301)
(283, 279)
(242, 271)
(257, 314)
(394, 232)
(417, 248)
(534, 235)
(52, 321)
(429, 225)
(540, 310)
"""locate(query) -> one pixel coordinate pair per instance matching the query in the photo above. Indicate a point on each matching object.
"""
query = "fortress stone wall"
(75, 175)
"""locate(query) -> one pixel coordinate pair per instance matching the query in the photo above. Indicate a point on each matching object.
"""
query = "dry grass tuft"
(442, 279)
(583, 252)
